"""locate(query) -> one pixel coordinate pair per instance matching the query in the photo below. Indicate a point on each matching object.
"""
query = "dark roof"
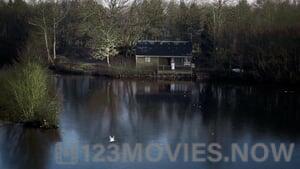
(164, 48)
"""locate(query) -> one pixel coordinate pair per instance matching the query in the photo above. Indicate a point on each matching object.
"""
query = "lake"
(157, 113)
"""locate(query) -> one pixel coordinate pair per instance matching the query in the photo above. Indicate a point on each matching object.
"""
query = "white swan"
(112, 139)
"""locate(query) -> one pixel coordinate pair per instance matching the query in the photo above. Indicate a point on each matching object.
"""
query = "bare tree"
(49, 15)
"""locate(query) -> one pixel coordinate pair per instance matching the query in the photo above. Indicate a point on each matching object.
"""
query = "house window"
(147, 59)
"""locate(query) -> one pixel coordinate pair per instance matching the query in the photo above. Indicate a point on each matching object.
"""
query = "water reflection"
(159, 112)
(144, 112)
(26, 147)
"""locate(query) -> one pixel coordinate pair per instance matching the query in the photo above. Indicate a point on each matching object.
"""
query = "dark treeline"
(261, 38)
(14, 29)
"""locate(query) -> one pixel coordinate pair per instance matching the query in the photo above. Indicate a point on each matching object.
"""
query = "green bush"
(25, 95)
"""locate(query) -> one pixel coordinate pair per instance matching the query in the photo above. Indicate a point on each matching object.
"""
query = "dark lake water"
(152, 112)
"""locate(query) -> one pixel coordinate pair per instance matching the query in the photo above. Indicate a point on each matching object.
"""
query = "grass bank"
(114, 71)
(25, 95)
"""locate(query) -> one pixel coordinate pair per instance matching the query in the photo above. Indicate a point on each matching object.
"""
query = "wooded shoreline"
(118, 72)
(99, 69)
(260, 38)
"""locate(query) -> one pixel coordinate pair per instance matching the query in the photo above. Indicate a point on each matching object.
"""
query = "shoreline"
(118, 72)
(99, 69)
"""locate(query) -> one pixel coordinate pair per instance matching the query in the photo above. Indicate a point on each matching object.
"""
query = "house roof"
(164, 48)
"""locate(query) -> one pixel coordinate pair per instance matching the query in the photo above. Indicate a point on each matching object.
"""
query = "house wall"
(164, 61)
(141, 62)
(154, 62)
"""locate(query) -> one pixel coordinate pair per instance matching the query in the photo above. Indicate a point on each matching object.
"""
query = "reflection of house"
(164, 55)
(164, 88)
(164, 92)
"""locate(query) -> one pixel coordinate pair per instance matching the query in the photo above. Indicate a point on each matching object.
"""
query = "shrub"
(25, 95)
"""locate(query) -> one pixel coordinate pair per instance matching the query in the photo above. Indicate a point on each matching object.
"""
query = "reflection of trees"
(29, 148)
(208, 112)
(261, 108)
(95, 108)
(115, 106)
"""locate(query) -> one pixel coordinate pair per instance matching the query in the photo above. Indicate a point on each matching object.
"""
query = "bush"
(25, 95)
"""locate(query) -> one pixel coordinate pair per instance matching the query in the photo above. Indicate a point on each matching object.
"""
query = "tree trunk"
(107, 59)
(47, 47)
(46, 40)
(54, 40)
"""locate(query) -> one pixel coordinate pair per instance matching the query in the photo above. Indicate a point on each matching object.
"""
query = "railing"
(163, 67)
(178, 69)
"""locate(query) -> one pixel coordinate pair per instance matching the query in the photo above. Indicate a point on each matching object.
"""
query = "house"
(164, 55)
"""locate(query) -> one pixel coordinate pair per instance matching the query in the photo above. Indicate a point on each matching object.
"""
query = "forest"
(261, 38)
